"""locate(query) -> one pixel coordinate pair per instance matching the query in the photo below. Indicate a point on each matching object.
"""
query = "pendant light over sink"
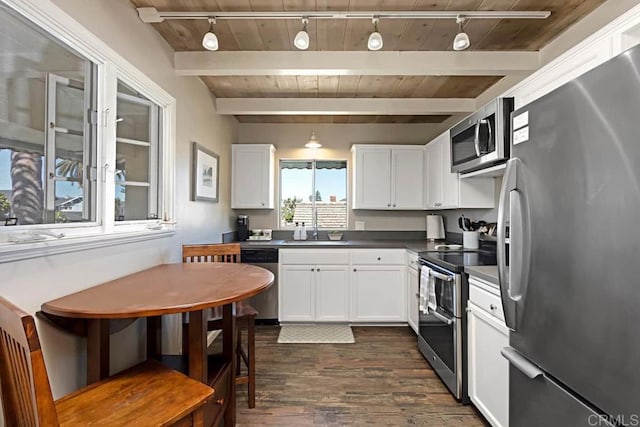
(313, 142)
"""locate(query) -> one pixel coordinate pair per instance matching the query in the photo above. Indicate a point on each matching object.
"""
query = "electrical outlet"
(359, 225)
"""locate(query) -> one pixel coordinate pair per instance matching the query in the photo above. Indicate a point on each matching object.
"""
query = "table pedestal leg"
(229, 345)
(198, 354)
(154, 337)
(97, 350)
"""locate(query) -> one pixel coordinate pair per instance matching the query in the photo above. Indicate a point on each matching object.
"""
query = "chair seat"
(146, 394)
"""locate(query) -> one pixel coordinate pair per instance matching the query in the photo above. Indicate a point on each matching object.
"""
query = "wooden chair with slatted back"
(149, 393)
(245, 313)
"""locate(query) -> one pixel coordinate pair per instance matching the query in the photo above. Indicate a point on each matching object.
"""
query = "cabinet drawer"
(480, 295)
(314, 256)
(378, 256)
(218, 402)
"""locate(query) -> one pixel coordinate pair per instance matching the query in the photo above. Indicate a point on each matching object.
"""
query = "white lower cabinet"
(488, 370)
(296, 293)
(378, 294)
(357, 285)
(314, 293)
(332, 293)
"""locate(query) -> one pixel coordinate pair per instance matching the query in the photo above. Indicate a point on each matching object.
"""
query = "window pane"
(331, 194)
(301, 201)
(132, 162)
(131, 203)
(296, 187)
(137, 157)
(45, 92)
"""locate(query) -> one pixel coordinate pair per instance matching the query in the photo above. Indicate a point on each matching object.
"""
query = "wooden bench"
(148, 394)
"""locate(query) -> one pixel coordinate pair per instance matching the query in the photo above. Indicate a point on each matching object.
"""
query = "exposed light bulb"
(210, 40)
(461, 41)
(375, 39)
(301, 41)
(313, 142)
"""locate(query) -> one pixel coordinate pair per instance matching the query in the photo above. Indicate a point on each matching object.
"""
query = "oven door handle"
(441, 276)
(441, 318)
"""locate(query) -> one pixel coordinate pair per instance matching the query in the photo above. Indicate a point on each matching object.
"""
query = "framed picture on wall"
(205, 174)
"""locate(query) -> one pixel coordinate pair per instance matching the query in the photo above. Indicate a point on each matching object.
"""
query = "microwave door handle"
(490, 133)
(476, 139)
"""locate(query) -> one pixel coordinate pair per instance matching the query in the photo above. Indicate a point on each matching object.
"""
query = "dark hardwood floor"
(380, 380)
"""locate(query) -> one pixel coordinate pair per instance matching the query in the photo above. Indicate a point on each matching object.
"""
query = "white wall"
(336, 140)
(29, 283)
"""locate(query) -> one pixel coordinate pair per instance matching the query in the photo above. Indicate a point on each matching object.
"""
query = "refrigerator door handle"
(514, 280)
(519, 362)
(509, 184)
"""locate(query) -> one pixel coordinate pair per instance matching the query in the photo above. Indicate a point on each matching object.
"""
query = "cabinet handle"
(220, 402)
(394, 205)
(417, 295)
(262, 203)
(313, 269)
(317, 269)
(355, 269)
(388, 205)
(493, 307)
(379, 258)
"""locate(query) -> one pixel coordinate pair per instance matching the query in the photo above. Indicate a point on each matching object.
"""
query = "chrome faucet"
(315, 224)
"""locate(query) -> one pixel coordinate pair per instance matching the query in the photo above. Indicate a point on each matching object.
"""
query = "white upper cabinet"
(446, 190)
(388, 177)
(252, 181)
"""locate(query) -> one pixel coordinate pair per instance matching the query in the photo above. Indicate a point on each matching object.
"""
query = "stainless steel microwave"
(482, 139)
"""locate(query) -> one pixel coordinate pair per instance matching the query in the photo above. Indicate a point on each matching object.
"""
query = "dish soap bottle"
(303, 232)
(296, 232)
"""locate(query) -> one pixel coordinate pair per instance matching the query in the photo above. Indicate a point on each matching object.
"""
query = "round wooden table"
(165, 289)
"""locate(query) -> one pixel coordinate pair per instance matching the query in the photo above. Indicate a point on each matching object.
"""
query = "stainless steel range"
(442, 337)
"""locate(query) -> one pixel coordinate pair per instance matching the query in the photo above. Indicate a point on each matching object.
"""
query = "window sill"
(19, 251)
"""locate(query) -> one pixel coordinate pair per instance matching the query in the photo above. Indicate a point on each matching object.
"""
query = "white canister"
(470, 239)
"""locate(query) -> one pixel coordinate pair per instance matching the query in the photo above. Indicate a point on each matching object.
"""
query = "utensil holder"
(470, 239)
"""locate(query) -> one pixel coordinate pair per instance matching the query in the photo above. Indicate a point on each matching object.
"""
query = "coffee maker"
(243, 227)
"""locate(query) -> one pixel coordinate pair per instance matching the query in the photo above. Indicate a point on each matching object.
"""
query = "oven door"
(440, 330)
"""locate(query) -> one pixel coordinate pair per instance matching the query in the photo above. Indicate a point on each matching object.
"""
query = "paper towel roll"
(435, 227)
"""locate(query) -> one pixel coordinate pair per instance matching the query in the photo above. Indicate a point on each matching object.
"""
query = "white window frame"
(279, 225)
(105, 231)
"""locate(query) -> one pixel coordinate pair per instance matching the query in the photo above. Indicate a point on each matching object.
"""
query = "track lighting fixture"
(461, 41)
(302, 38)
(375, 39)
(210, 40)
(313, 142)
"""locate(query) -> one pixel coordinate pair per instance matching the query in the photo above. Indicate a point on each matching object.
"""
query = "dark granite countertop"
(488, 273)
(412, 245)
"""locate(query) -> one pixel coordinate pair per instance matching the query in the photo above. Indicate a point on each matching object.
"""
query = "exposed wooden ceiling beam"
(344, 106)
(334, 63)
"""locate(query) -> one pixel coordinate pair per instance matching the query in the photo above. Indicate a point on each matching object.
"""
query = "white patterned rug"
(316, 334)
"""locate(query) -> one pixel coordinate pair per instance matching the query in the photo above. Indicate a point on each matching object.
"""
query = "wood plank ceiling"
(351, 35)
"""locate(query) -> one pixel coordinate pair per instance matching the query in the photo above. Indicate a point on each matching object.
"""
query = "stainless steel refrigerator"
(570, 277)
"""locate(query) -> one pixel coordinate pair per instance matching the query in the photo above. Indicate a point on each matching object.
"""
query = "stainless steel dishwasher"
(266, 302)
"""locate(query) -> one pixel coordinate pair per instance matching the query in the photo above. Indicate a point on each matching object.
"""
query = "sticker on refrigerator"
(521, 135)
(521, 120)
